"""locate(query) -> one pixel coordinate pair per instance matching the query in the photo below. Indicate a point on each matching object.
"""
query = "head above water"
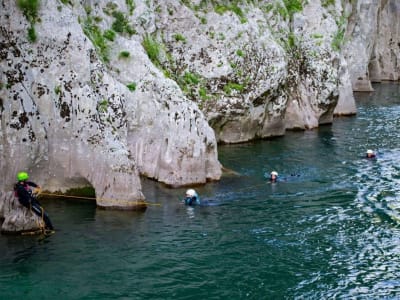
(274, 175)
(370, 153)
(22, 176)
(191, 193)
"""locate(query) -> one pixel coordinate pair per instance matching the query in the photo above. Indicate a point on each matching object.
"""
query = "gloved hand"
(37, 190)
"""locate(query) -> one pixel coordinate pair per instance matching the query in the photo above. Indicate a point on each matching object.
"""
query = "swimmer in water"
(191, 198)
(273, 176)
(370, 154)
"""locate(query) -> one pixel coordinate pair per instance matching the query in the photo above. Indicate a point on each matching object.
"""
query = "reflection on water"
(330, 228)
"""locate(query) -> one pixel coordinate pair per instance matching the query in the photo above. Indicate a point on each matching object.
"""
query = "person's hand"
(37, 190)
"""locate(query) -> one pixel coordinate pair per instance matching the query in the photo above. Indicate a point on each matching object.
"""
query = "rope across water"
(104, 199)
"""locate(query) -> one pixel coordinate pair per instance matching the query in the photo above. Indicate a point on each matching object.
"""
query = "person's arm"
(36, 188)
(32, 184)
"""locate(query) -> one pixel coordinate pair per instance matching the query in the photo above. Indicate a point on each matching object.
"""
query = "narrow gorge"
(99, 93)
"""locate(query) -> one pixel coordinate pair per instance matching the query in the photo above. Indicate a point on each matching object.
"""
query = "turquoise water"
(329, 229)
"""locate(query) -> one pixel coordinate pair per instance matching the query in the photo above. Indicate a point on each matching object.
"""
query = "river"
(330, 228)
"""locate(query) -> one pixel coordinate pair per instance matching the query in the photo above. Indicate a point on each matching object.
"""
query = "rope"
(104, 199)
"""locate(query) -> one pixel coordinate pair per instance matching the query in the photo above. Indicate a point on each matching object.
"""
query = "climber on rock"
(26, 192)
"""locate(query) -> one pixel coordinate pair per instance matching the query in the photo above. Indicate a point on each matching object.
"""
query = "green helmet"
(21, 176)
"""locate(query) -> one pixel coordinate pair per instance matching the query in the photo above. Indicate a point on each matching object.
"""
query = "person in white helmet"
(370, 154)
(191, 198)
(273, 176)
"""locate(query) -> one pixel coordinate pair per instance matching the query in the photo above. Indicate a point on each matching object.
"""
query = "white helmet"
(369, 151)
(190, 193)
(274, 173)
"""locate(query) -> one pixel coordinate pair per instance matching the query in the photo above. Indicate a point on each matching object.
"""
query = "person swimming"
(370, 154)
(191, 198)
(273, 176)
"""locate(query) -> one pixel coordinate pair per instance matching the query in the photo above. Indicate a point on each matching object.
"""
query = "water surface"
(328, 229)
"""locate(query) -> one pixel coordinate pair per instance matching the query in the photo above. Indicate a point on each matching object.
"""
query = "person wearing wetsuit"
(370, 154)
(24, 191)
(191, 198)
(273, 176)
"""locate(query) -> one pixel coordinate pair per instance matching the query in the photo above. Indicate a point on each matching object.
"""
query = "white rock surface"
(79, 110)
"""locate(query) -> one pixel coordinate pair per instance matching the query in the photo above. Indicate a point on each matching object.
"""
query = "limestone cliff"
(372, 47)
(99, 92)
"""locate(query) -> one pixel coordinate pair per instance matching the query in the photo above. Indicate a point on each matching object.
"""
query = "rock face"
(255, 72)
(373, 34)
(97, 93)
(70, 120)
(16, 218)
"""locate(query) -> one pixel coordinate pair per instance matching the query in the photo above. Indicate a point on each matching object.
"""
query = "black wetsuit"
(191, 201)
(26, 198)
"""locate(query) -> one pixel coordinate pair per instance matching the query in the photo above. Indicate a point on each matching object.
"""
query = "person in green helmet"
(26, 192)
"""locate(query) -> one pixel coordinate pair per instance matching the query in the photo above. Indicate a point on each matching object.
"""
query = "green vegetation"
(288, 10)
(282, 11)
(152, 48)
(109, 34)
(158, 9)
(57, 90)
(203, 94)
(191, 78)
(317, 36)
(30, 9)
(32, 37)
(219, 6)
(268, 7)
(338, 38)
(326, 3)
(121, 24)
(291, 41)
(102, 106)
(240, 53)
(221, 9)
(88, 9)
(221, 36)
(233, 7)
(110, 8)
(179, 38)
(233, 86)
(97, 19)
(94, 33)
(124, 54)
(131, 6)
(131, 86)
(293, 6)
(88, 191)
(66, 2)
